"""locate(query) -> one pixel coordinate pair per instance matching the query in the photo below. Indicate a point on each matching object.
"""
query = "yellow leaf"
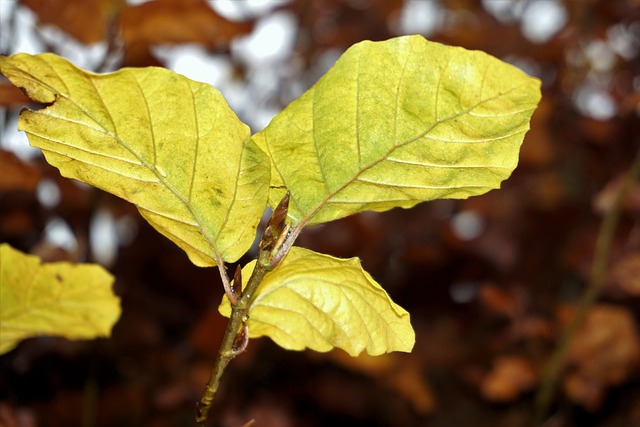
(170, 145)
(321, 302)
(73, 301)
(396, 123)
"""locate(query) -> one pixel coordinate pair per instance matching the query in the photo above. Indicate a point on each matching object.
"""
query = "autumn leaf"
(603, 353)
(178, 21)
(85, 20)
(63, 299)
(170, 145)
(321, 302)
(17, 175)
(509, 377)
(626, 273)
(396, 123)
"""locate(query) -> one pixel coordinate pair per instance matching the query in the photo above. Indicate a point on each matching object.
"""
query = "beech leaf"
(170, 145)
(321, 302)
(396, 123)
(64, 299)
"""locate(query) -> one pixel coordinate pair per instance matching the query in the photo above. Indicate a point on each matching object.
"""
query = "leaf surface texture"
(170, 145)
(396, 123)
(63, 299)
(321, 302)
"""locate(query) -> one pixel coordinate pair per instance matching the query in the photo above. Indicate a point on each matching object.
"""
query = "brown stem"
(227, 349)
(236, 337)
(598, 275)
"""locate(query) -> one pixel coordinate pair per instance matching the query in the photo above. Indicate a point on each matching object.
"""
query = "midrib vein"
(430, 128)
(196, 217)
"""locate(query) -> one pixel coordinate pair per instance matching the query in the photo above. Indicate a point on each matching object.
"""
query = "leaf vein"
(316, 149)
(444, 166)
(197, 148)
(167, 216)
(330, 194)
(299, 313)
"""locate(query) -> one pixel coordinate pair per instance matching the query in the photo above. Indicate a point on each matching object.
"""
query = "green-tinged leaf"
(63, 299)
(170, 145)
(321, 302)
(396, 123)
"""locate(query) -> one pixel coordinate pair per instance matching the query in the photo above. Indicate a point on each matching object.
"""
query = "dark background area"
(490, 282)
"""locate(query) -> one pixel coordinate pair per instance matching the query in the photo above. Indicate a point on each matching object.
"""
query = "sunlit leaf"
(62, 299)
(396, 123)
(321, 302)
(170, 145)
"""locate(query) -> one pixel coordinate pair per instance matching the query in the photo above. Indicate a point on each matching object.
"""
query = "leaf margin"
(399, 333)
(218, 249)
(95, 324)
(313, 216)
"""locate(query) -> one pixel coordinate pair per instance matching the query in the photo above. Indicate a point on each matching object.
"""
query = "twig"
(228, 349)
(598, 275)
(236, 337)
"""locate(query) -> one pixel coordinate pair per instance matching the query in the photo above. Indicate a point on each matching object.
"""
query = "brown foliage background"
(490, 282)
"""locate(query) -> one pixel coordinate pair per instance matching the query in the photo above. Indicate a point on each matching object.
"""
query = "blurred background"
(490, 282)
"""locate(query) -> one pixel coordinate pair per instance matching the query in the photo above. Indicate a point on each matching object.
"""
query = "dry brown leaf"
(509, 377)
(498, 301)
(402, 373)
(626, 273)
(409, 382)
(17, 175)
(534, 327)
(584, 391)
(85, 20)
(16, 221)
(177, 21)
(604, 353)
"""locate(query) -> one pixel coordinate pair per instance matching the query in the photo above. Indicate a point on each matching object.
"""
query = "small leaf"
(396, 123)
(170, 145)
(73, 301)
(321, 302)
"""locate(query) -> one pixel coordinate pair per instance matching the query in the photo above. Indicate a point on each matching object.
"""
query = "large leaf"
(170, 145)
(321, 302)
(396, 123)
(73, 301)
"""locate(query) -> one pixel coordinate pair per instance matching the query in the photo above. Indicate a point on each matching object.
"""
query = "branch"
(236, 337)
(233, 343)
(553, 367)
